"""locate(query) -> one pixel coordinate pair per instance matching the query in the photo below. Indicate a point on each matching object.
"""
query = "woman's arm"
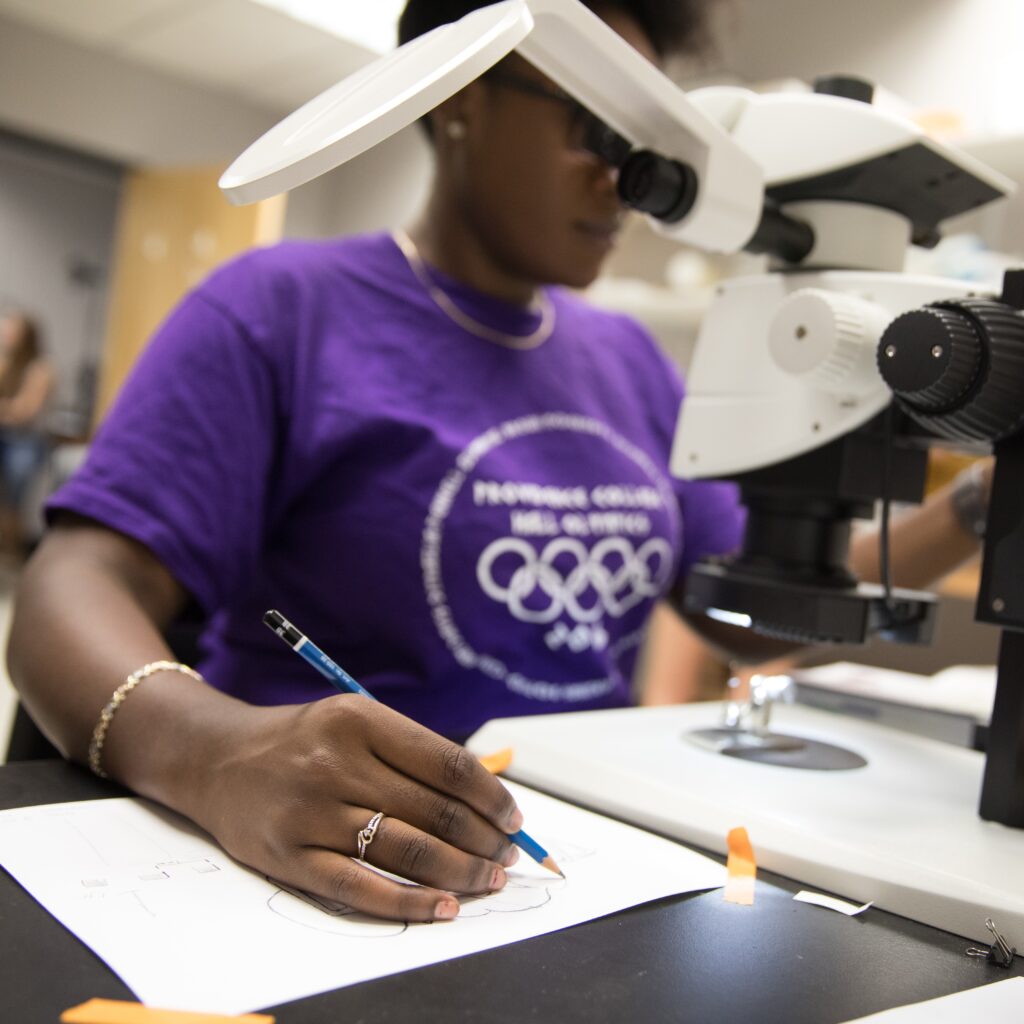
(283, 789)
(90, 608)
(28, 401)
(677, 666)
(926, 542)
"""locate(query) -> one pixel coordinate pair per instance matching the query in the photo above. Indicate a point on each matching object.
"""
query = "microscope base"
(903, 830)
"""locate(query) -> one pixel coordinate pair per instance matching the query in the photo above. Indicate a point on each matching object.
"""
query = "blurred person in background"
(26, 385)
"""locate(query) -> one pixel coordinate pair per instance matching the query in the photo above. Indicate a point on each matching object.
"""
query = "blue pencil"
(303, 646)
(341, 680)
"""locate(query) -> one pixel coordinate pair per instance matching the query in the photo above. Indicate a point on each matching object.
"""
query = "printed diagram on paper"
(186, 927)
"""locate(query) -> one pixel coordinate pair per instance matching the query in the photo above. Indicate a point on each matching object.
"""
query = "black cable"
(885, 568)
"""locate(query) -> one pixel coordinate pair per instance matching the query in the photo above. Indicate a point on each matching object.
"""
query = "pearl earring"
(455, 130)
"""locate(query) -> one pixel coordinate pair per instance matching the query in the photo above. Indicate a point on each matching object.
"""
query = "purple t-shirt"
(471, 530)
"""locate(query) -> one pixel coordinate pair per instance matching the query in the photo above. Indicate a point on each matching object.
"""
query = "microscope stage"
(902, 831)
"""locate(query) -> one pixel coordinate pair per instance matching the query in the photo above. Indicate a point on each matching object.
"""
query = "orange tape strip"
(497, 762)
(117, 1011)
(740, 868)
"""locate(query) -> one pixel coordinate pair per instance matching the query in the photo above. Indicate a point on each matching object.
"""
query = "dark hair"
(673, 26)
(29, 340)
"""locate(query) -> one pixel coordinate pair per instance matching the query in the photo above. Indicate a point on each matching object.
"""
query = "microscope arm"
(1001, 602)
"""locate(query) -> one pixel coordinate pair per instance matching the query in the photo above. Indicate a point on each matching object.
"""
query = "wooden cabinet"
(174, 227)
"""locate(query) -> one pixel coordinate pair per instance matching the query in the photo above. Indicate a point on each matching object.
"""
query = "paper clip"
(1000, 953)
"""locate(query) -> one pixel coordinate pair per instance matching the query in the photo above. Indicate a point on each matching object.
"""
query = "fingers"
(415, 751)
(343, 760)
(406, 851)
(440, 815)
(329, 875)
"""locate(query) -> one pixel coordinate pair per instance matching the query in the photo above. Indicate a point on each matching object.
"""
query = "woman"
(452, 475)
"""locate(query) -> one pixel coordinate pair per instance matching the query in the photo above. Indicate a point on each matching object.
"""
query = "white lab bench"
(953, 705)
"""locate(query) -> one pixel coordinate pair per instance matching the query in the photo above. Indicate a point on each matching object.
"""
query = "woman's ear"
(453, 119)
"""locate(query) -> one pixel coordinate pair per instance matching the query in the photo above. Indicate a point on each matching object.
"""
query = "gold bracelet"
(99, 734)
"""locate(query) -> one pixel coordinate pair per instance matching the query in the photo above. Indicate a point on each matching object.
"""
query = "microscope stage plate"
(902, 831)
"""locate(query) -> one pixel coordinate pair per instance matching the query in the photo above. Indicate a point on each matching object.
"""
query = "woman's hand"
(293, 787)
(283, 789)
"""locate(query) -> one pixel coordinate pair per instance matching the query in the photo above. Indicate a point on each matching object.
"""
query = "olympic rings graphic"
(640, 573)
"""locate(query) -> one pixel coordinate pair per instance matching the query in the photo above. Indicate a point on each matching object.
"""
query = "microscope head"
(822, 152)
(786, 394)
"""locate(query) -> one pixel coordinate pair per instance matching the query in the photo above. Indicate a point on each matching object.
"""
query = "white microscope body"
(786, 361)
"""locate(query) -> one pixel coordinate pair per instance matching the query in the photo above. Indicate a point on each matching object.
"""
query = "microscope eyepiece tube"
(780, 235)
(654, 184)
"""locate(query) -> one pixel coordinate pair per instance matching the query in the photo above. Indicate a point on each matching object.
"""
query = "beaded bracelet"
(99, 734)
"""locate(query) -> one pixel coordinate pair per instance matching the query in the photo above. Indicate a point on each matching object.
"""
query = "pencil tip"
(550, 864)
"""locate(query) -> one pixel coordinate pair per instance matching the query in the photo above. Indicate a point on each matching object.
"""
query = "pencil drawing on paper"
(325, 915)
(523, 892)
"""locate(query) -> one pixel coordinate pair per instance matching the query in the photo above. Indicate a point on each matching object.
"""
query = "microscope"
(817, 386)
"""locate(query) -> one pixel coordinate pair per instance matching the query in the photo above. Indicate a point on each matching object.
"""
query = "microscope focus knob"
(955, 366)
(930, 357)
(829, 338)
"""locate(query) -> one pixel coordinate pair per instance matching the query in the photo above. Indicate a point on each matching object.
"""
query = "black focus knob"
(654, 184)
(956, 367)
(930, 358)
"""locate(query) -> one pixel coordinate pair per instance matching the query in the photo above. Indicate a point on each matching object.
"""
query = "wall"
(57, 215)
(959, 55)
(174, 228)
(55, 90)
(383, 188)
(59, 203)
(149, 122)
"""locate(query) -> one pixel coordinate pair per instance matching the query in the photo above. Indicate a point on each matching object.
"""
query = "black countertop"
(684, 958)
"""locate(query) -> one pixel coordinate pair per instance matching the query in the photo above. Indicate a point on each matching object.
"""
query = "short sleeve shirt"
(472, 530)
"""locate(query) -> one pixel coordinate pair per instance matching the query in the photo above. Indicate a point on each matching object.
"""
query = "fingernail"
(515, 823)
(498, 879)
(511, 856)
(446, 910)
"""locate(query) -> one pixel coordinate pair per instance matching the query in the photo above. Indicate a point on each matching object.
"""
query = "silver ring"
(365, 835)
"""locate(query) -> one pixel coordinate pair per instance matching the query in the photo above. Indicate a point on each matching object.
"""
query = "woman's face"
(544, 211)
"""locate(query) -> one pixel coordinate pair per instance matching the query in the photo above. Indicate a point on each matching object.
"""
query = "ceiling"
(236, 46)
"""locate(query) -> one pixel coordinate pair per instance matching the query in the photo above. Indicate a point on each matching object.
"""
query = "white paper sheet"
(1002, 1002)
(187, 928)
